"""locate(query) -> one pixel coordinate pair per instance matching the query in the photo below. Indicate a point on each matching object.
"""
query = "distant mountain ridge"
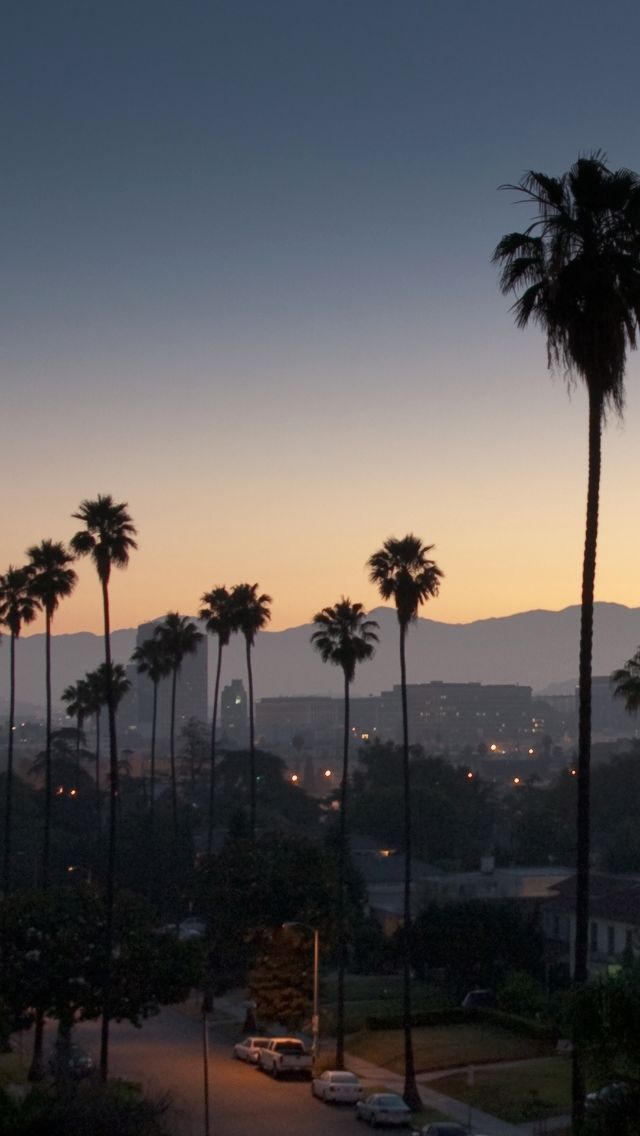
(533, 648)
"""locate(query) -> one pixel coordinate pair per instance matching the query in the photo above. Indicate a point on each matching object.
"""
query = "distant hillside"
(535, 648)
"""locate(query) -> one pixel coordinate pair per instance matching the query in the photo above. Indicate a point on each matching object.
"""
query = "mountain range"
(533, 648)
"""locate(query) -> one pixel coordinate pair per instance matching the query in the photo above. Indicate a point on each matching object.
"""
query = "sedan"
(249, 1049)
(383, 1108)
(337, 1087)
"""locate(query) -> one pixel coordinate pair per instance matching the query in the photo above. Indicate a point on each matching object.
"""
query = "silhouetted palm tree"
(52, 579)
(576, 273)
(627, 683)
(17, 609)
(403, 572)
(217, 613)
(95, 703)
(151, 660)
(250, 614)
(76, 697)
(178, 637)
(344, 637)
(108, 537)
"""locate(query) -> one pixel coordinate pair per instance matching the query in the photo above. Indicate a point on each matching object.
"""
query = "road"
(165, 1055)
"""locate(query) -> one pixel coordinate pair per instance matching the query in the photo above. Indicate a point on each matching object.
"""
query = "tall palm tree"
(178, 637)
(575, 271)
(627, 683)
(217, 614)
(403, 572)
(151, 660)
(250, 614)
(95, 706)
(344, 637)
(108, 537)
(17, 608)
(76, 698)
(52, 580)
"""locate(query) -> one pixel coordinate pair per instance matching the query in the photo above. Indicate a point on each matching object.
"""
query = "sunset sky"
(246, 287)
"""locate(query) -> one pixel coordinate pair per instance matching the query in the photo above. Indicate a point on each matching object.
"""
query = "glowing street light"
(315, 1018)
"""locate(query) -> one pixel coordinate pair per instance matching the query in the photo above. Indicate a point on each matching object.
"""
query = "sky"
(247, 288)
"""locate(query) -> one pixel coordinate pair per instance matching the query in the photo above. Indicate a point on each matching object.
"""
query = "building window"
(611, 940)
(628, 940)
(593, 936)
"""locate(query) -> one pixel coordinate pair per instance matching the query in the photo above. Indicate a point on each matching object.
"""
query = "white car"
(336, 1086)
(383, 1108)
(249, 1049)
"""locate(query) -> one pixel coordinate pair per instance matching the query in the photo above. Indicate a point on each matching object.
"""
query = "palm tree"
(108, 537)
(76, 697)
(95, 704)
(403, 572)
(627, 683)
(150, 659)
(217, 613)
(52, 579)
(575, 271)
(344, 637)
(17, 608)
(178, 636)
(250, 614)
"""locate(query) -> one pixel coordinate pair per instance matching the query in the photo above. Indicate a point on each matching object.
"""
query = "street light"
(315, 1018)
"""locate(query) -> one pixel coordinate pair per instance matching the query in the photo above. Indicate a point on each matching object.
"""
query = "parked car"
(70, 1061)
(383, 1108)
(614, 1094)
(249, 1049)
(285, 1056)
(336, 1086)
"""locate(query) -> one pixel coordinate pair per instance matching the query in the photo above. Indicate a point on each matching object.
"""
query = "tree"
(151, 659)
(178, 637)
(575, 271)
(95, 704)
(18, 607)
(403, 572)
(108, 537)
(344, 637)
(627, 683)
(250, 614)
(77, 699)
(217, 613)
(52, 579)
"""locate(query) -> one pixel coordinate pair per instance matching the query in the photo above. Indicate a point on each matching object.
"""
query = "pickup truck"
(285, 1056)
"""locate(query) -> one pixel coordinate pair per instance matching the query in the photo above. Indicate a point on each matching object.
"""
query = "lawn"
(446, 1046)
(516, 1094)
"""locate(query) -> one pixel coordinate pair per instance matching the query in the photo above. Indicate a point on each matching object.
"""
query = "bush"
(115, 1109)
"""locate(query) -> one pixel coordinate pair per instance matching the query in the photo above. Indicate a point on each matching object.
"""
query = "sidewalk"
(472, 1118)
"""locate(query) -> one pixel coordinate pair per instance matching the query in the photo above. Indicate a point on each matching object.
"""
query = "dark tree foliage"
(281, 978)
(476, 943)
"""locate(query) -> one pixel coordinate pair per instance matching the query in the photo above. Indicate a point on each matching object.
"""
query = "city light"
(516, 780)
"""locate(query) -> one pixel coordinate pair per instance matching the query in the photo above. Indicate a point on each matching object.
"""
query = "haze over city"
(248, 290)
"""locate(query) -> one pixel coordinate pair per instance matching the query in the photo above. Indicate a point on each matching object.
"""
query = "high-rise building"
(234, 714)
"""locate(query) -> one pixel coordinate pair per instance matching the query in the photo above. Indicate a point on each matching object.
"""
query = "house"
(614, 920)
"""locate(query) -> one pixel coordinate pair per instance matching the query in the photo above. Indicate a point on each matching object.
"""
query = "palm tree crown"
(403, 572)
(108, 536)
(18, 605)
(344, 636)
(52, 578)
(251, 611)
(217, 613)
(576, 270)
(151, 659)
(627, 683)
(178, 636)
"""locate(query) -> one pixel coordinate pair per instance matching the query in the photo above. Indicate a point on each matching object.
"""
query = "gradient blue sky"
(247, 288)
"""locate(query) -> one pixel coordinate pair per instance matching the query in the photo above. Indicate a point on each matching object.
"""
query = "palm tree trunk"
(252, 750)
(111, 856)
(172, 752)
(98, 801)
(342, 864)
(411, 1094)
(583, 819)
(8, 814)
(47, 767)
(212, 773)
(79, 723)
(154, 720)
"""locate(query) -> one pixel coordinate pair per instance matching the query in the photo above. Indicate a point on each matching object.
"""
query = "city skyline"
(249, 291)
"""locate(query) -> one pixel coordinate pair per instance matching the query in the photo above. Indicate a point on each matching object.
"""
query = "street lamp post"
(315, 1017)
